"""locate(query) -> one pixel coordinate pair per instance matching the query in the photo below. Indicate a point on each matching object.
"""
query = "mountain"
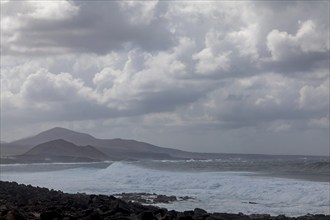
(116, 149)
(21, 146)
(113, 149)
(61, 151)
(8, 149)
(54, 134)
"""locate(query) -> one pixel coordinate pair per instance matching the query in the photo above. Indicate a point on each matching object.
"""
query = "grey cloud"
(288, 17)
(47, 96)
(98, 27)
(265, 99)
(302, 51)
(169, 100)
(299, 63)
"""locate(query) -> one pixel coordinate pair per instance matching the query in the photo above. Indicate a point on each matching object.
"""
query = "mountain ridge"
(53, 134)
(61, 150)
(114, 148)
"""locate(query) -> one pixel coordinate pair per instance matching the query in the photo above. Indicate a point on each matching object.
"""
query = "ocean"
(292, 186)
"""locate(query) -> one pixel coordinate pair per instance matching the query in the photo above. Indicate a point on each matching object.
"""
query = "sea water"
(230, 185)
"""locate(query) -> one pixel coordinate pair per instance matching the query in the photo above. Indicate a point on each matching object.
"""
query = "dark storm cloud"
(169, 100)
(300, 63)
(97, 27)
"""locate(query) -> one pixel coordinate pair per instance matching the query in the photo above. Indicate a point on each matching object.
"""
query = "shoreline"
(19, 201)
(35, 167)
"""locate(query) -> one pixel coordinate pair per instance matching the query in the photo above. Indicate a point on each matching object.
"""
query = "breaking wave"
(214, 191)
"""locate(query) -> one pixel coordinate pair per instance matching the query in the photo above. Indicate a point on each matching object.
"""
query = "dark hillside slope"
(77, 138)
(115, 148)
(61, 150)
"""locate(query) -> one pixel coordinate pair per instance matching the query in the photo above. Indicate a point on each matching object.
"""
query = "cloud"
(155, 83)
(201, 69)
(142, 84)
(139, 12)
(74, 27)
(245, 40)
(321, 123)
(211, 59)
(315, 97)
(295, 45)
(46, 87)
(46, 96)
(308, 39)
(271, 100)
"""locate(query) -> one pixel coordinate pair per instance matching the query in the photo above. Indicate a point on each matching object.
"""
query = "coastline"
(39, 166)
(19, 201)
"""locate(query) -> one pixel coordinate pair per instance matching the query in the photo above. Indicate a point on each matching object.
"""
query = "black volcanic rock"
(61, 150)
(19, 201)
(150, 198)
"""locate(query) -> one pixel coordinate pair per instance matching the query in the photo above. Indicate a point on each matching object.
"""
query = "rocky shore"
(148, 198)
(18, 201)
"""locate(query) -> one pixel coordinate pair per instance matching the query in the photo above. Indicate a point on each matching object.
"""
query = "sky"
(204, 76)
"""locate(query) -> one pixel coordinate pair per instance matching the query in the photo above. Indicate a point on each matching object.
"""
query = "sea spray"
(214, 191)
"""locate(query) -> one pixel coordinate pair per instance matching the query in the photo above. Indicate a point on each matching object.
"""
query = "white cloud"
(246, 40)
(12, 77)
(209, 62)
(106, 78)
(315, 97)
(57, 10)
(132, 87)
(212, 58)
(139, 12)
(43, 86)
(308, 39)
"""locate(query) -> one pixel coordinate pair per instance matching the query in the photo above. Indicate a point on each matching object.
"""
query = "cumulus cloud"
(46, 87)
(307, 40)
(153, 84)
(211, 58)
(315, 97)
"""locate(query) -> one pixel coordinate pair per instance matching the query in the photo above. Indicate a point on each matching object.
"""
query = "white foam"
(213, 191)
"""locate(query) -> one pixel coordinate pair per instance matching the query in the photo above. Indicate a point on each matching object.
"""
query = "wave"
(48, 167)
(233, 190)
(320, 169)
(214, 191)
